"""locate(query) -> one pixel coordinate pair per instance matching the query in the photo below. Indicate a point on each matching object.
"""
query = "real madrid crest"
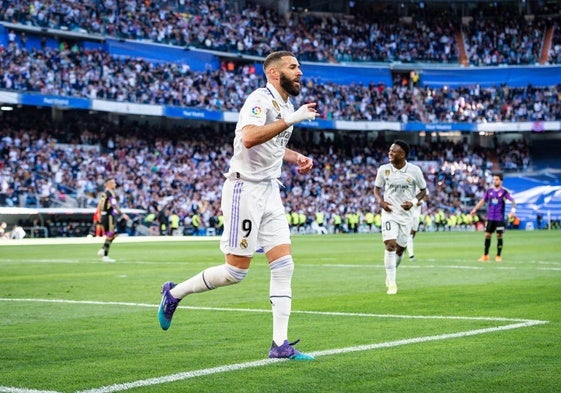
(387, 172)
(276, 105)
(243, 243)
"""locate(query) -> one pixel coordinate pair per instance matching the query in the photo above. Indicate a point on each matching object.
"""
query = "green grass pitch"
(70, 323)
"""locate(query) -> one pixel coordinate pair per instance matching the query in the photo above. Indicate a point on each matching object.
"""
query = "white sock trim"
(209, 279)
(280, 295)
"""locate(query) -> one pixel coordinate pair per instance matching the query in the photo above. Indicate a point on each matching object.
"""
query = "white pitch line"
(268, 311)
(180, 376)
(259, 363)
(409, 266)
(8, 389)
(324, 265)
(521, 323)
(92, 240)
(526, 323)
(335, 265)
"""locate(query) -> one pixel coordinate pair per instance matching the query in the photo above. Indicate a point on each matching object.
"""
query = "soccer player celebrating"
(254, 215)
(399, 180)
(496, 197)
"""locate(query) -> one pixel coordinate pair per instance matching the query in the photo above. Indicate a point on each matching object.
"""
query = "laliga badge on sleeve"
(256, 111)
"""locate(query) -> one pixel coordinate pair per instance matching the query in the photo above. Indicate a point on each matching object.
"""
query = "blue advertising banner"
(3, 36)
(9, 97)
(347, 74)
(193, 113)
(438, 127)
(318, 124)
(197, 61)
(48, 100)
(492, 76)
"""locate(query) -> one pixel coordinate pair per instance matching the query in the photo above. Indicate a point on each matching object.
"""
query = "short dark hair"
(404, 145)
(274, 56)
(499, 174)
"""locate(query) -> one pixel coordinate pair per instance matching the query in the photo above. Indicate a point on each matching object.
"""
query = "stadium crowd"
(555, 50)
(74, 72)
(180, 171)
(504, 39)
(257, 30)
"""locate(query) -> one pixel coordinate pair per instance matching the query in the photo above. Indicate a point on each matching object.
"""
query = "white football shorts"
(394, 230)
(254, 217)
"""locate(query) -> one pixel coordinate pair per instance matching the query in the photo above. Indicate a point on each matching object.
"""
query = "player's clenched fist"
(305, 164)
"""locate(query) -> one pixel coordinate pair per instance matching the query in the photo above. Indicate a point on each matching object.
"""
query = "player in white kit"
(254, 215)
(396, 184)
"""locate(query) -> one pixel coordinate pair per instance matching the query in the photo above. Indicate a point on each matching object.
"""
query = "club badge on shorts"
(243, 243)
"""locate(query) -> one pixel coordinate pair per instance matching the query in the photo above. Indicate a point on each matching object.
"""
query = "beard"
(289, 86)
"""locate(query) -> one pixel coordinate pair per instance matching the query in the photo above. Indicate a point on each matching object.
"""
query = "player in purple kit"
(496, 197)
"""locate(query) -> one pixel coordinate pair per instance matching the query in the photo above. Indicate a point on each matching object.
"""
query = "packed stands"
(94, 74)
(382, 36)
(60, 158)
(45, 165)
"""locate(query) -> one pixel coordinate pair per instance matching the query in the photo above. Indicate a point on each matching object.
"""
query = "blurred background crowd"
(176, 170)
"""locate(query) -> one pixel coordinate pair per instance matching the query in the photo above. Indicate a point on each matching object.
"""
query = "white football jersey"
(264, 161)
(399, 185)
